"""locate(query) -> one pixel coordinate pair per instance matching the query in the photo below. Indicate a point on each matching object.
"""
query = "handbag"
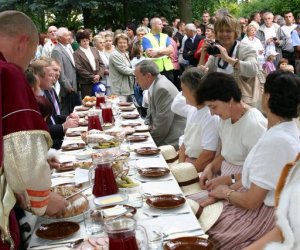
(252, 87)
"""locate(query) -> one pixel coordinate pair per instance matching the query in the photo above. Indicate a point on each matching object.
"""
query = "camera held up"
(212, 49)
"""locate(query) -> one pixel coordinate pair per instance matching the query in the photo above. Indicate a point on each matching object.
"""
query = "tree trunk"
(185, 10)
(125, 12)
(87, 21)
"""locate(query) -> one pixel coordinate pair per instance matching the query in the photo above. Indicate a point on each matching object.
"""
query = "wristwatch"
(233, 180)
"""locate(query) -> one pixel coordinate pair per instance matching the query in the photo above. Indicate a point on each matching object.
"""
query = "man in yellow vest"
(157, 46)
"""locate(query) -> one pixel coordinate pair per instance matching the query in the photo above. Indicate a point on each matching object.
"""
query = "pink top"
(269, 67)
(174, 55)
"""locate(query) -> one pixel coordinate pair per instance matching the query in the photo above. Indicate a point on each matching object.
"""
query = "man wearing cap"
(166, 126)
(157, 46)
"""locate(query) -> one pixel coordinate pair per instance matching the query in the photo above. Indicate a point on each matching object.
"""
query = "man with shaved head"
(24, 138)
(157, 46)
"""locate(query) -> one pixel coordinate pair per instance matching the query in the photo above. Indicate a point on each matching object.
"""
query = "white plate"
(83, 155)
(111, 199)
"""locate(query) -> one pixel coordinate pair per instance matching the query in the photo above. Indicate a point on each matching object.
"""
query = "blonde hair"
(39, 65)
(228, 22)
(121, 36)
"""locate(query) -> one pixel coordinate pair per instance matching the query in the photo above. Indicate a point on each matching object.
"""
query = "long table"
(171, 221)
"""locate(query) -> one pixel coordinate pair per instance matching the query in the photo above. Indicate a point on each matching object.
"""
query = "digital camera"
(212, 49)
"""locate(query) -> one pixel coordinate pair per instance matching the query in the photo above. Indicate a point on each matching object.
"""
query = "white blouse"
(238, 139)
(201, 131)
(90, 57)
(278, 146)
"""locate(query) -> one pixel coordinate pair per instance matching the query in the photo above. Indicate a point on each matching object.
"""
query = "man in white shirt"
(271, 36)
(287, 47)
(49, 45)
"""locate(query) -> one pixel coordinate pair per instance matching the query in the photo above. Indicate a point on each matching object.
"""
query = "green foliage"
(275, 6)
(116, 13)
(212, 5)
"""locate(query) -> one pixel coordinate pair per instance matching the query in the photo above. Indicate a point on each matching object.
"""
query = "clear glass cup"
(155, 237)
(135, 196)
(93, 222)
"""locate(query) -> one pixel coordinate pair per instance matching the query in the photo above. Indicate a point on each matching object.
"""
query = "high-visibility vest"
(164, 63)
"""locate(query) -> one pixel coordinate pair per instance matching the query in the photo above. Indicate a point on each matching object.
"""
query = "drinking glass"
(93, 222)
(100, 98)
(107, 114)
(155, 237)
(94, 121)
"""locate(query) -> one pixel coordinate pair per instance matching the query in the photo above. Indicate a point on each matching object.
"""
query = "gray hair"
(192, 78)
(61, 31)
(141, 29)
(268, 14)
(191, 26)
(14, 23)
(97, 38)
(147, 66)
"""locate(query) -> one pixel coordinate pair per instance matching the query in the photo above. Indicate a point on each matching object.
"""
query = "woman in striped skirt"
(222, 95)
(248, 211)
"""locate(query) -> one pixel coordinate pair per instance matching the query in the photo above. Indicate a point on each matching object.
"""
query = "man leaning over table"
(24, 171)
(166, 127)
(57, 123)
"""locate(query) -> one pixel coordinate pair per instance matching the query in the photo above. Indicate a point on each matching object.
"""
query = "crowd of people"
(223, 92)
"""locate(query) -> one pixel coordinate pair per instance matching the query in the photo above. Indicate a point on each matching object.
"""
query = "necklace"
(244, 110)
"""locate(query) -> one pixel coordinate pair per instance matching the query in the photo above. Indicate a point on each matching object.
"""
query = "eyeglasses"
(52, 31)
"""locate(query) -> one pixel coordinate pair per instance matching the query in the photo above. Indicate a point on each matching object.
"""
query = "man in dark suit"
(166, 126)
(191, 44)
(57, 123)
(63, 53)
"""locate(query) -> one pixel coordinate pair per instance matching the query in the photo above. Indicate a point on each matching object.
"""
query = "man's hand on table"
(70, 123)
(56, 206)
(73, 116)
(54, 163)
